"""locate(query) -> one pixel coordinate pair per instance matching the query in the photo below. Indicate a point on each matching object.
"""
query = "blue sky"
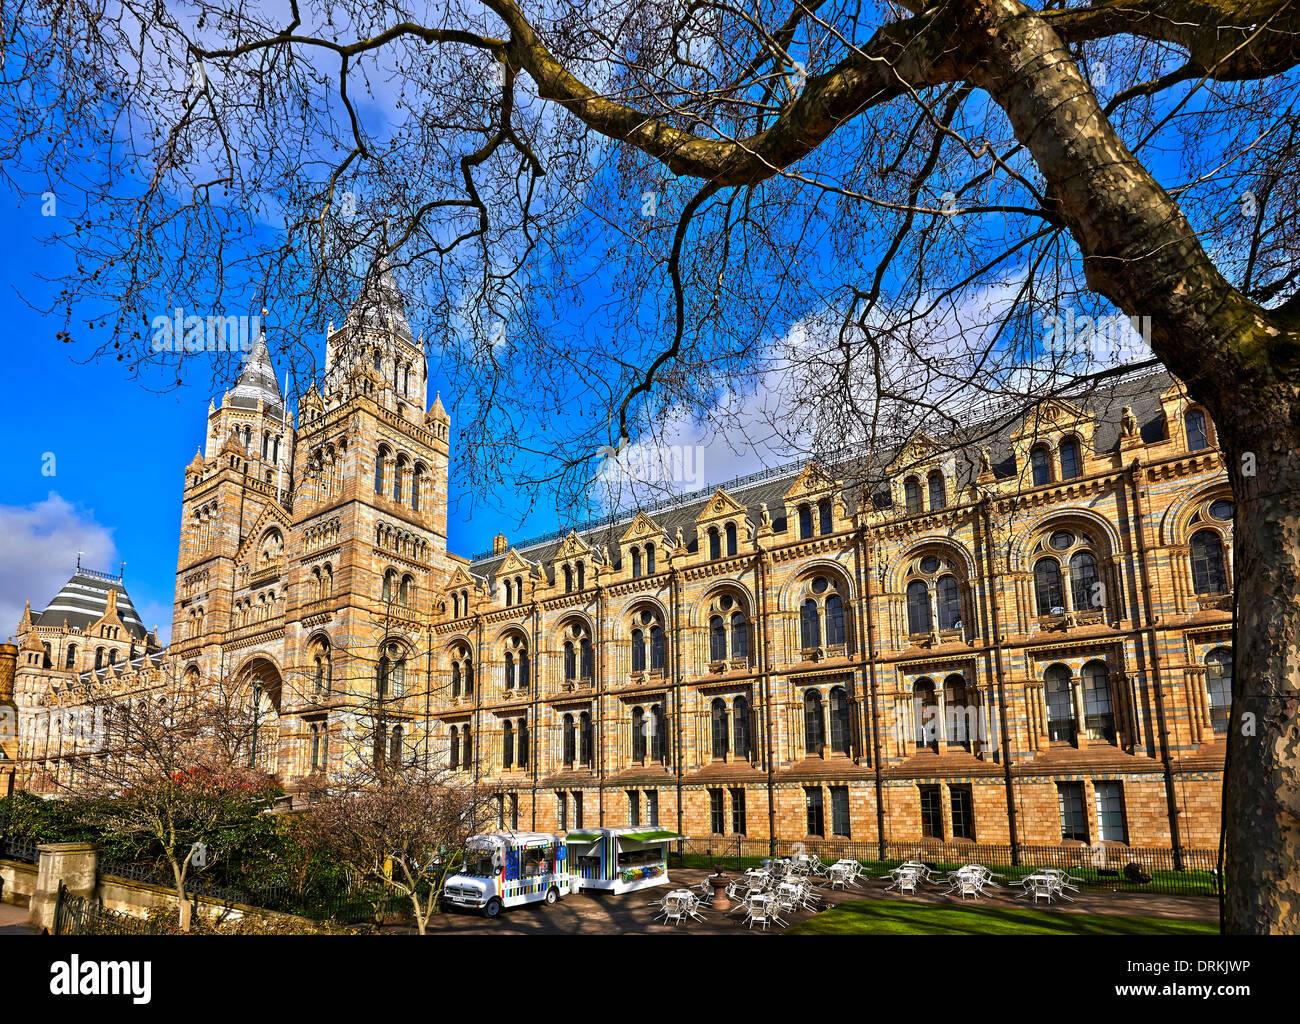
(95, 461)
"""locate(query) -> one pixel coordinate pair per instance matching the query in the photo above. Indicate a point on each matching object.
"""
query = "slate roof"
(257, 383)
(84, 599)
(990, 428)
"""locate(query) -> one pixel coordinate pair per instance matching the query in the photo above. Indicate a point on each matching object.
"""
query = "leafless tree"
(614, 214)
(396, 826)
(169, 766)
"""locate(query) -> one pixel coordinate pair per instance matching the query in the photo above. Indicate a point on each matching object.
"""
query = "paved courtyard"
(632, 914)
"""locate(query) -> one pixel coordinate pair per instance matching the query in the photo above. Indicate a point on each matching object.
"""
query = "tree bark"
(1242, 362)
(1261, 790)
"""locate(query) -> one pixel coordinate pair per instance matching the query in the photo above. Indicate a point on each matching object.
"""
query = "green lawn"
(876, 917)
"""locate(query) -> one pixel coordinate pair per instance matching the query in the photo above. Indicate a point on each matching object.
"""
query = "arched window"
(417, 475)
(657, 732)
(636, 562)
(455, 678)
(834, 620)
(814, 729)
(731, 538)
(839, 708)
(467, 747)
(1197, 436)
(507, 745)
(918, 607)
(912, 495)
(810, 627)
(739, 635)
(586, 739)
(925, 705)
(1047, 587)
(454, 749)
(638, 651)
(948, 599)
(568, 579)
(1071, 464)
(71, 660)
(1085, 584)
(522, 733)
(1040, 466)
(740, 730)
(824, 513)
(570, 662)
(404, 593)
(582, 575)
(47, 659)
(938, 496)
(649, 559)
(1218, 682)
(717, 639)
(523, 669)
(586, 661)
(1098, 715)
(1060, 703)
(656, 648)
(805, 522)
(956, 700)
(1209, 575)
(570, 741)
(718, 715)
(638, 735)
(379, 469)
(399, 472)
(715, 543)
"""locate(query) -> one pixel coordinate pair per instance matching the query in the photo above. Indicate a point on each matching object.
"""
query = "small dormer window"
(938, 493)
(1197, 436)
(1071, 464)
(1040, 466)
(912, 495)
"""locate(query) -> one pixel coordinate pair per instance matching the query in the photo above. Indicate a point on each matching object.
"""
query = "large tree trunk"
(1261, 791)
(1237, 359)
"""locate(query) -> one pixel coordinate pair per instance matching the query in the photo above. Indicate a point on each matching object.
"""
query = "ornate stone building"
(1023, 638)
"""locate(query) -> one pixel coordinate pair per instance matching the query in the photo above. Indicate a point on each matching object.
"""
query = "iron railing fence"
(77, 915)
(1101, 868)
(17, 848)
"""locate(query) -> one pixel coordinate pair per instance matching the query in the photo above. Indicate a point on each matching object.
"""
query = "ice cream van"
(619, 860)
(509, 869)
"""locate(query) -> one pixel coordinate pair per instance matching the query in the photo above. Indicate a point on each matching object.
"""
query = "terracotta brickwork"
(800, 655)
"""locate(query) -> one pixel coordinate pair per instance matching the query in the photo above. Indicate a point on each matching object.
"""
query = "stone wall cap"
(66, 847)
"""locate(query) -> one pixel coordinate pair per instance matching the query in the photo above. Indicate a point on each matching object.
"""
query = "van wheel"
(493, 908)
(552, 896)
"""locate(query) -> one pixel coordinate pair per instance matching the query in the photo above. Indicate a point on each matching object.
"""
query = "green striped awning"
(583, 837)
(653, 836)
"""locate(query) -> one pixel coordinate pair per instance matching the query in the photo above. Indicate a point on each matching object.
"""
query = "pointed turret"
(257, 383)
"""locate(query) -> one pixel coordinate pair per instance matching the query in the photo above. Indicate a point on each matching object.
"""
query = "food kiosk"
(619, 860)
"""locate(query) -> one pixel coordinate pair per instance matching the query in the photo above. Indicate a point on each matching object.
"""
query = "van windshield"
(479, 864)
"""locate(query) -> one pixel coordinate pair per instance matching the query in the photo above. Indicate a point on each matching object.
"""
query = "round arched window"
(1221, 510)
(1061, 539)
(929, 564)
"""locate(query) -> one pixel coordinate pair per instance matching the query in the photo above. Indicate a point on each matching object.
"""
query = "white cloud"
(38, 552)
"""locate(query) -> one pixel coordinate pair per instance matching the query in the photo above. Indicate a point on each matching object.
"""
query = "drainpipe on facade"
(677, 696)
(535, 726)
(428, 694)
(765, 674)
(474, 738)
(598, 668)
(864, 587)
(1139, 530)
(996, 625)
